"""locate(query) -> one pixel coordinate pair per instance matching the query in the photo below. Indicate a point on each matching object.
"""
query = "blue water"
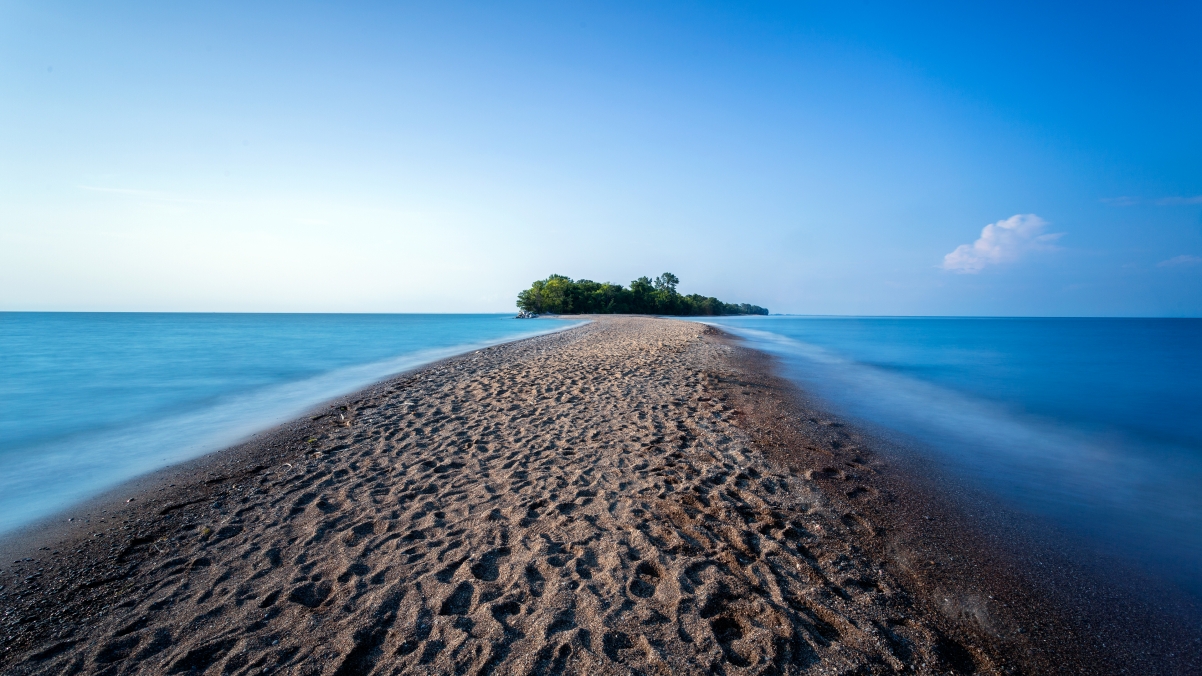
(88, 400)
(1092, 425)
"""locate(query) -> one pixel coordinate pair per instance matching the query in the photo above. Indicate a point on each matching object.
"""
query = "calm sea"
(88, 400)
(1093, 425)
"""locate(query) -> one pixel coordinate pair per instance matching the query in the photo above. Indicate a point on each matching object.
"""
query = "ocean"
(89, 400)
(1090, 426)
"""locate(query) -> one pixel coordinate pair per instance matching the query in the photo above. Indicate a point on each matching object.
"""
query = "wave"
(45, 478)
(1111, 488)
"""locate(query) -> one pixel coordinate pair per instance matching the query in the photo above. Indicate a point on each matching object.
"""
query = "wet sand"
(631, 496)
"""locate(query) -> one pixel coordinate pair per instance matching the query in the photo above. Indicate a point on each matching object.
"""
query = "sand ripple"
(576, 503)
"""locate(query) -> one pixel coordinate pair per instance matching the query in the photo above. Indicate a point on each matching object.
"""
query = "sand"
(634, 496)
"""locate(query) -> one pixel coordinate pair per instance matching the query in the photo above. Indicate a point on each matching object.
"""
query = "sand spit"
(593, 501)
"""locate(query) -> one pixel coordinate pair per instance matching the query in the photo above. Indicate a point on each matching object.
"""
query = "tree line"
(558, 294)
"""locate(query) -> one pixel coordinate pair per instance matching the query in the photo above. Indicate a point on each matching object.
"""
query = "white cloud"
(1177, 201)
(144, 194)
(1173, 201)
(1179, 260)
(1001, 242)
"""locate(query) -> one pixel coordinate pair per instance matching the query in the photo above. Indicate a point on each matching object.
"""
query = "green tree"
(667, 282)
(558, 294)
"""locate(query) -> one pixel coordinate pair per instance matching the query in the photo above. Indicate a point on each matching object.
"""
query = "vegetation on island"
(562, 295)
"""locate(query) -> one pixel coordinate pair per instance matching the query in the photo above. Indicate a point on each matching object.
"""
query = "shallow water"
(88, 400)
(1094, 425)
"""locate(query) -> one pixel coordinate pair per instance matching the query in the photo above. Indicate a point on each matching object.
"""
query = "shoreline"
(268, 444)
(972, 556)
(227, 419)
(767, 533)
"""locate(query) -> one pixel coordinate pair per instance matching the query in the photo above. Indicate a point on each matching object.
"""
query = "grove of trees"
(562, 295)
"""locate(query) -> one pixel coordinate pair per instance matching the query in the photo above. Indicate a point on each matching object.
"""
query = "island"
(562, 295)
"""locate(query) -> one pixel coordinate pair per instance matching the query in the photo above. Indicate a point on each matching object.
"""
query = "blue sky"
(439, 157)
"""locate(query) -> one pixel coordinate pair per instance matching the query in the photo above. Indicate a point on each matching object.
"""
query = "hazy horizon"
(866, 160)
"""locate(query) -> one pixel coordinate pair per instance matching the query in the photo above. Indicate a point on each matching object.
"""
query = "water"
(1092, 425)
(88, 400)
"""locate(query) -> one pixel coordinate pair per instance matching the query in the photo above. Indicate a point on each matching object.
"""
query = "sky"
(814, 158)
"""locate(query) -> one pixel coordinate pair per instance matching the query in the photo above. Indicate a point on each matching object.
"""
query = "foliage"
(562, 295)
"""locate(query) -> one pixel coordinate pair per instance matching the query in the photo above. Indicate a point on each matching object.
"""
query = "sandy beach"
(631, 496)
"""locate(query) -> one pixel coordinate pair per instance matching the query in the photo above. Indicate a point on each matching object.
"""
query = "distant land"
(563, 295)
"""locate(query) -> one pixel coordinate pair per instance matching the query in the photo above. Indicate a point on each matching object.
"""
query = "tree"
(561, 295)
(667, 282)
